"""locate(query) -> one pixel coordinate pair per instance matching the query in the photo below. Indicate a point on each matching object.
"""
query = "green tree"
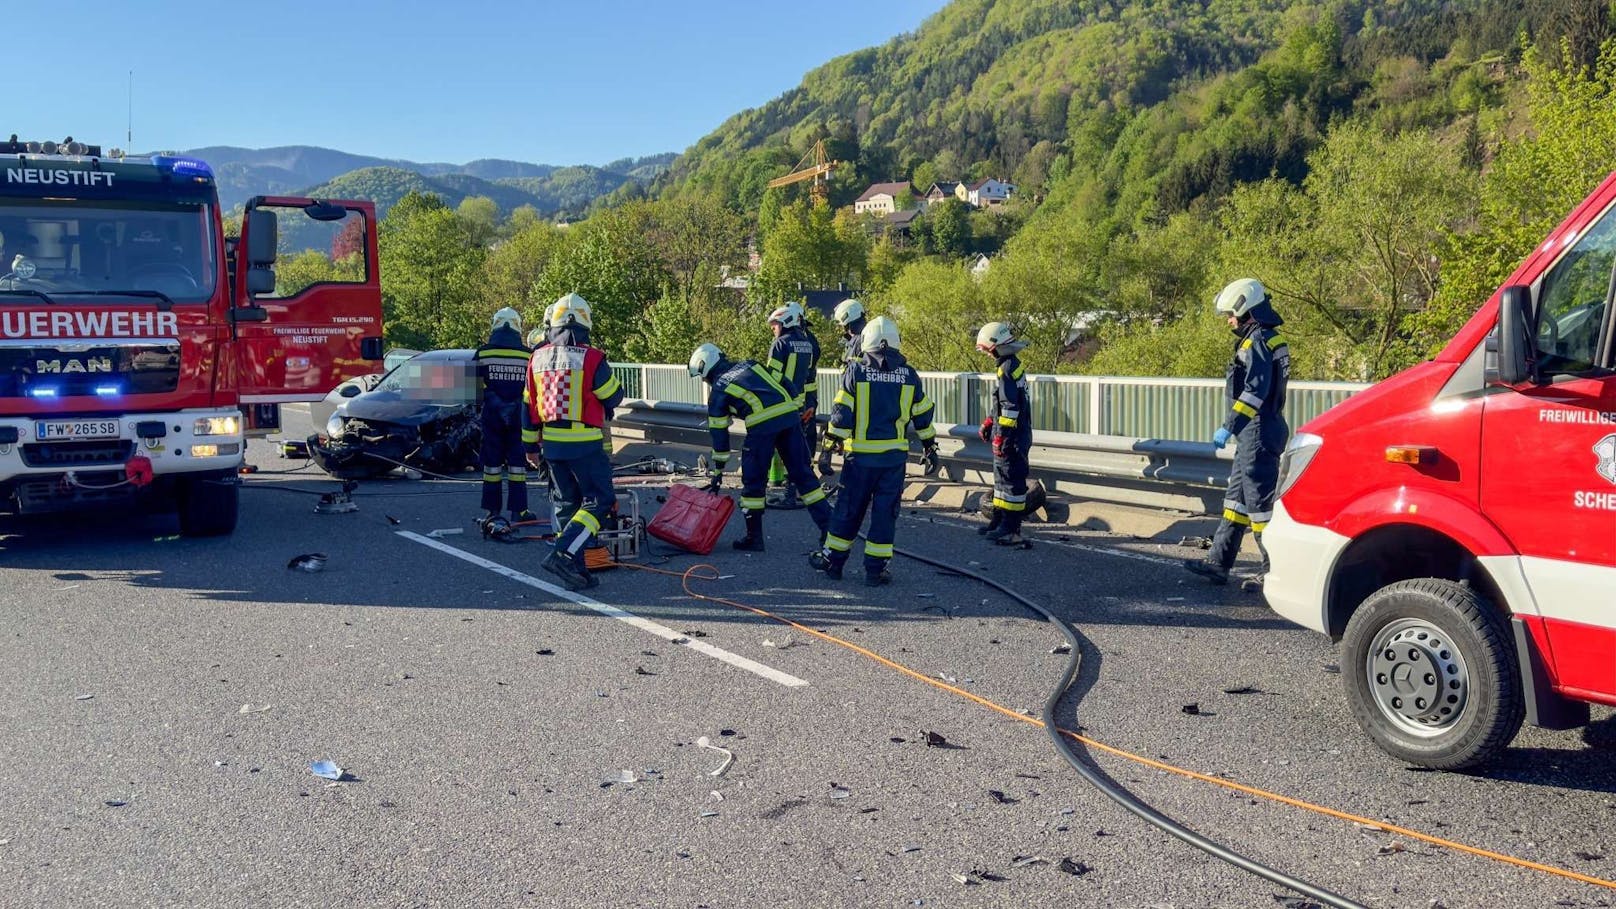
(430, 266)
(938, 307)
(610, 261)
(811, 247)
(698, 239)
(514, 265)
(481, 217)
(950, 228)
(521, 218)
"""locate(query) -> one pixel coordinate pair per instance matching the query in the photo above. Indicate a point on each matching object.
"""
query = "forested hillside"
(1379, 165)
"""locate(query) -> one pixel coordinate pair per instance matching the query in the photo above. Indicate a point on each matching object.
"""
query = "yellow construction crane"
(814, 166)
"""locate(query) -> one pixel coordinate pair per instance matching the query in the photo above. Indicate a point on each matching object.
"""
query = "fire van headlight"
(1298, 454)
(217, 426)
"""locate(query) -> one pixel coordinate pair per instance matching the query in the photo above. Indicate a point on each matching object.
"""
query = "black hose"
(1111, 790)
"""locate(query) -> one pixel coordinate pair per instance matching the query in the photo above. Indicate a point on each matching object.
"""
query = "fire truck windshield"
(83, 251)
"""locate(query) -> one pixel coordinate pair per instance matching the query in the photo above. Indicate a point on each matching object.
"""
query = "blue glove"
(1221, 437)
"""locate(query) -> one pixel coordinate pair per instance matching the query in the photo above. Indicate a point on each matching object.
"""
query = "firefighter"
(880, 398)
(571, 393)
(794, 357)
(1255, 395)
(502, 367)
(1008, 428)
(768, 406)
(849, 314)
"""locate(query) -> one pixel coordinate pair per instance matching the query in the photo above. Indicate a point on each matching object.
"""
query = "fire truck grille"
(77, 454)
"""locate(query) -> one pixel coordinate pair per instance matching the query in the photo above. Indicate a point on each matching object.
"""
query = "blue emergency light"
(108, 391)
(186, 167)
(42, 392)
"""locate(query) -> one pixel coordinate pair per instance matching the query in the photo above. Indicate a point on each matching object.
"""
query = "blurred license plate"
(68, 430)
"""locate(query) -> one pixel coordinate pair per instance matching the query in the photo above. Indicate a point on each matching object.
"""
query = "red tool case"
(692, 518)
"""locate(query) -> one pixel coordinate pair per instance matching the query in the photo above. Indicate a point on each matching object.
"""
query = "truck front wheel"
(1431, 675)
(208, 507)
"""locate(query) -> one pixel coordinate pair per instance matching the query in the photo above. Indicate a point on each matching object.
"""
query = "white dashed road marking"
(606, 609)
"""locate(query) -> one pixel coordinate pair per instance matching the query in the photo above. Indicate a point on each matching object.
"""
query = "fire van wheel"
(208, 507)
(1431, 675)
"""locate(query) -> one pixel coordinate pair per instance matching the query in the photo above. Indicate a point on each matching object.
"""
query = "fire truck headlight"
(217, 426)
(1298, 454)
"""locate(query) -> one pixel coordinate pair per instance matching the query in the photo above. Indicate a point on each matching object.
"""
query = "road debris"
(965, 879)
(1022, 861)
(1001, 798)
(1193, 710)
(716, 795)
(1587, 856)
(936, 740)
(327, 770)
(1244, 689)
(729, 756)
(621, 776)
(82, 697)
(695, 633)
(641, 670)
(392, 520)
(1061, 648)
(545, 652)
(310, 562)
(837, 792)
(1391, 848)
(1074, 868)
(445, 532)
(248, 708)
(114, 803)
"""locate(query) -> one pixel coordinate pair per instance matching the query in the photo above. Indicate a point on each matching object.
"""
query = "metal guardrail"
(1114, 439)
(1138, 408)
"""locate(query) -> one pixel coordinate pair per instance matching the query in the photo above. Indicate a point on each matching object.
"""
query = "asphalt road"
(164, 698)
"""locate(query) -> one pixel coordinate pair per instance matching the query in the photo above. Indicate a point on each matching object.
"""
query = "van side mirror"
(263, 237)
(1515, 330)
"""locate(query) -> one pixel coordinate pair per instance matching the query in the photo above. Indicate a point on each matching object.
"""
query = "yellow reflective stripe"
(589, 521)
(770, 380)
(1259, 526)
(1276, 342)
(906, 400)
(879, 550)
(861, 413)
(1244, 408)
(751, 400)
(790, 371)
(930, 432)
(608, 388)
(502, 352)
(575, 433)
(530, 436)
(924, 406)
(769, 413)
(751, 503)
(492, 477)
(575, 381)
(775, 365)
(876, 446)
(719, 457)
(1246, 344)
(839, 432)
(517, 474)
(1235, 517)
(836, 543)
(843, 398)
(718, 422)
(1007, 505)
(1008, 421)
(817, 494)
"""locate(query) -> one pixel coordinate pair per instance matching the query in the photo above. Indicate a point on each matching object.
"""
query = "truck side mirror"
(263, 237)
(1515, 331)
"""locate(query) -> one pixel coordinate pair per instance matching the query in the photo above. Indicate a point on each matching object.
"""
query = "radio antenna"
(129, 134)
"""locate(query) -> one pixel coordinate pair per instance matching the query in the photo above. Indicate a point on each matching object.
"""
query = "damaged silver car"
(425, 413)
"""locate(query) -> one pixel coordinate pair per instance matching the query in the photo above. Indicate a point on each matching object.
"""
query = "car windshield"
(76, 251)
(434, 379)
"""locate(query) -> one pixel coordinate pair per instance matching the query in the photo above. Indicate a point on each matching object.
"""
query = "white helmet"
(880, 334)
(508, 318)
(704, 360)
(789, 315)
(571, 310)
(549, 312)
(536, 338)
(994, 335)
(1240, 297)
(847, 312)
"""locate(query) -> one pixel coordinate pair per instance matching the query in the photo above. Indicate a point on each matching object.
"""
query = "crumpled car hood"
(392, 407)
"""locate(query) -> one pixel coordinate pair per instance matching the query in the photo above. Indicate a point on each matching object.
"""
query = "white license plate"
(70, 430)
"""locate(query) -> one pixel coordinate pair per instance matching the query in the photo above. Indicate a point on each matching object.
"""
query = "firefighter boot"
(1254, 584)
(827, 562)
(876, 575)
(994, 520)
(1008, 533)
(753, 541)
(573, 575)
(1225, 547)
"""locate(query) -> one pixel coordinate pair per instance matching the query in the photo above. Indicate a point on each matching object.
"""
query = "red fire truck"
(139, 346)
(1454, 526)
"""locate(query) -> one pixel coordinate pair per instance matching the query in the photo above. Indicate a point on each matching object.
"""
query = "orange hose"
(712, 575)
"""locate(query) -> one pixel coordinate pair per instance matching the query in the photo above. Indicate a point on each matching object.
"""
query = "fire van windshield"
(80, 252)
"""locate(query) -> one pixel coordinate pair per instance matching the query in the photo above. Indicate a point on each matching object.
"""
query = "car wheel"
(1430, 673)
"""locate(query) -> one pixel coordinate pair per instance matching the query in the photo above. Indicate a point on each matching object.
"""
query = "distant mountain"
(310, 170)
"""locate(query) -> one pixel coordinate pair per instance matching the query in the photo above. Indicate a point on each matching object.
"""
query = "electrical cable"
(707, 572)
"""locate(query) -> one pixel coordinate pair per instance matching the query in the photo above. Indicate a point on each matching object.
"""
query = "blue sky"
(554, 81)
